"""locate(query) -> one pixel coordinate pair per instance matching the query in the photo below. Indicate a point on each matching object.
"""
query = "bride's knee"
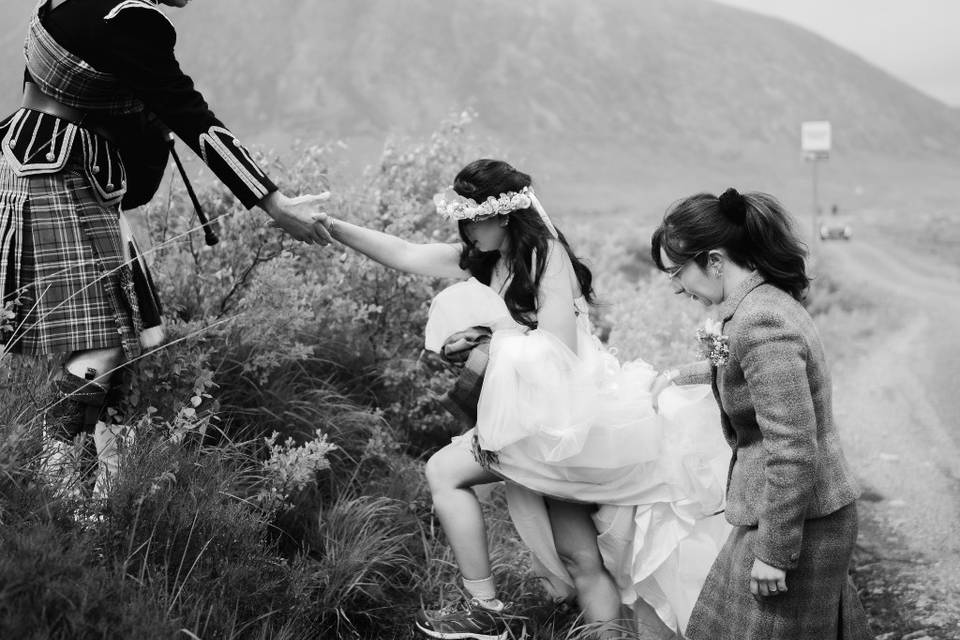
(438, 474)
(452, 469)
(581, 563)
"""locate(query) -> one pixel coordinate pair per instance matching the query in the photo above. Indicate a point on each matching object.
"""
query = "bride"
(616, 499)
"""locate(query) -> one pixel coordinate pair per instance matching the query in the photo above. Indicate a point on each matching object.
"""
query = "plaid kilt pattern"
(821, 602)
(61, 263)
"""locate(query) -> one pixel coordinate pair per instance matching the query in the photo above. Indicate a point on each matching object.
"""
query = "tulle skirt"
(580, 426)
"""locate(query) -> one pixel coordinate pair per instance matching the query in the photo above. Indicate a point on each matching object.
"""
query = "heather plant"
(291, 468)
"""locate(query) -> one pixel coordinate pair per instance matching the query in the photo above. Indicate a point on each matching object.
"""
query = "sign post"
(815, 145)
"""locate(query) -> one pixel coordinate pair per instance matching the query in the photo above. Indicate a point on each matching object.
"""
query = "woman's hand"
(661, 382)
(767, 581)
(299, 216)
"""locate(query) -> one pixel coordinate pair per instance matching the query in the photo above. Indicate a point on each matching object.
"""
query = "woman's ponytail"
(775, 251)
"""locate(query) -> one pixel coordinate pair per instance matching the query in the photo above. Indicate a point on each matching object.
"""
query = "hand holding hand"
(327, 221)
(299, 216)
(767, 581)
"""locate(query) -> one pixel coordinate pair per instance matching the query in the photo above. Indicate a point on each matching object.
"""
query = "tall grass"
(232, 516)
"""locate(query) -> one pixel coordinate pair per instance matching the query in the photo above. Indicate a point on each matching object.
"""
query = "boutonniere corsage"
(713, 344)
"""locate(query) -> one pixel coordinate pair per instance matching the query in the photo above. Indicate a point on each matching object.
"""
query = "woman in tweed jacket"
(783, 572)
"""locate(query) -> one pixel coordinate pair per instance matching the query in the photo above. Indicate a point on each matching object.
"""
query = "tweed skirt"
(821, 602)
(63, 275)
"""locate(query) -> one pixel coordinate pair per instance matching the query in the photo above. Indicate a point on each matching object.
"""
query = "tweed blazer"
(776, 411)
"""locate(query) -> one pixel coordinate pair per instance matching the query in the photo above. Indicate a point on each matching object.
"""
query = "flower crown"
(453, 206)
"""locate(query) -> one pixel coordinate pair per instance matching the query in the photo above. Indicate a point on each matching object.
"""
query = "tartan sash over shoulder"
(115, 61)
(71, 80)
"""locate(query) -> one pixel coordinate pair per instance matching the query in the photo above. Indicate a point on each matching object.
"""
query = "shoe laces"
(471, 604)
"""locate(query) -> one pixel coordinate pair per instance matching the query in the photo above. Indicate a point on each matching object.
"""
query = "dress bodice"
(500, 280)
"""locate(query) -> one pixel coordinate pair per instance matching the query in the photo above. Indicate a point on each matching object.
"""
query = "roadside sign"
(815, 139)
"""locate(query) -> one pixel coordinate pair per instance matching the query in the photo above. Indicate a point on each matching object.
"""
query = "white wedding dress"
(581, 427)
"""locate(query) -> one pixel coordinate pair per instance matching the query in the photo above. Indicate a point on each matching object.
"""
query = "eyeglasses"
(674, 273)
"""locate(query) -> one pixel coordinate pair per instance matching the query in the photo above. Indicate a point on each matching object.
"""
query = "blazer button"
(50, 157)
(109, 186)
(95, 169)
(236, 142)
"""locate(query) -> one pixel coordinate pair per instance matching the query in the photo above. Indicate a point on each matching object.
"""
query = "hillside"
(618, 89)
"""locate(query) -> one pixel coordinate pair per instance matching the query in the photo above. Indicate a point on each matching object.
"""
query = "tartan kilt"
(821, 602)
(62, 266)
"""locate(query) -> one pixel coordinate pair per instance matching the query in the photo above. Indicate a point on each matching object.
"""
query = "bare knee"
(582, 563)
(441, 476)
(434, 473)
(102, 362)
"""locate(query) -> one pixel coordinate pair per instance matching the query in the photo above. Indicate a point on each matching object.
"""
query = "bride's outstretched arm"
(438, 259)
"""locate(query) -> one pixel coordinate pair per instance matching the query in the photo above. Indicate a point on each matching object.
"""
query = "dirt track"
(898, 404)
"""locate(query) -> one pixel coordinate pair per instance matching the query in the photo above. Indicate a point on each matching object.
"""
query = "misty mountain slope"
(680, 78)
(657, 73)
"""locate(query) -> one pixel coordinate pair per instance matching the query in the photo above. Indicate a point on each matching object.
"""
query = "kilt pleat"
(62, 262)
(821, 602)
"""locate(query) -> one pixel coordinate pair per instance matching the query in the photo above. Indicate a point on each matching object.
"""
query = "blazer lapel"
(725, 311)
(728, 307)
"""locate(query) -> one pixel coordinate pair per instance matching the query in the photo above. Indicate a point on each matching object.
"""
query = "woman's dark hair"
(753, 228)
(482, 179)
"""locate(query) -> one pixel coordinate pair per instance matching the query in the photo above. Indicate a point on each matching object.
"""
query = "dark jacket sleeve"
(141, 41)
(773, 356)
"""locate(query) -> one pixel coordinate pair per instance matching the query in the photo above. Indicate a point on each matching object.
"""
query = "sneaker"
(469, 621)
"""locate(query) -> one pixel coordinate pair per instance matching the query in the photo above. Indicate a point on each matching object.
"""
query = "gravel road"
(898, 404)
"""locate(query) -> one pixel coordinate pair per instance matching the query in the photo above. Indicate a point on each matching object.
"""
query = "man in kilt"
(102, 87)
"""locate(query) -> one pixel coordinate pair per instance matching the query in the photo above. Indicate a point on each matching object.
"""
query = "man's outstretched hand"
(300, 216)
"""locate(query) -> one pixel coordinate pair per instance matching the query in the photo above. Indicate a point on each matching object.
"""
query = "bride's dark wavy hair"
(528, 236)
(754, 229)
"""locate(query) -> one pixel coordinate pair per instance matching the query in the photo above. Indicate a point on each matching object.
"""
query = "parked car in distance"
(835, 229)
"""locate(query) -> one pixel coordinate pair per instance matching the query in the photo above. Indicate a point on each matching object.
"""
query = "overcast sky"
(916, 40)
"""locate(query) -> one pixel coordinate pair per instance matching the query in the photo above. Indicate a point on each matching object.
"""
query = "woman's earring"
(717, 271)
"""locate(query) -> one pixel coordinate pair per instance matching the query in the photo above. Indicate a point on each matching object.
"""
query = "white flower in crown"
(453, 206)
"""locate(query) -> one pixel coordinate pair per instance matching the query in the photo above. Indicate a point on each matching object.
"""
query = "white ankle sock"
(484, 591)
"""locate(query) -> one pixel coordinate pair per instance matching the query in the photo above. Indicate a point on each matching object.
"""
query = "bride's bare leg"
(575, 537)
(451, 472)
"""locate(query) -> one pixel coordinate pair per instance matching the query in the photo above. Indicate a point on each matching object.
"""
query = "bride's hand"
(327, 222)
(661, 382)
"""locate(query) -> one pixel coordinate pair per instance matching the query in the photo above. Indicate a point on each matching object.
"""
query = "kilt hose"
(62, 266)
(821, 602)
